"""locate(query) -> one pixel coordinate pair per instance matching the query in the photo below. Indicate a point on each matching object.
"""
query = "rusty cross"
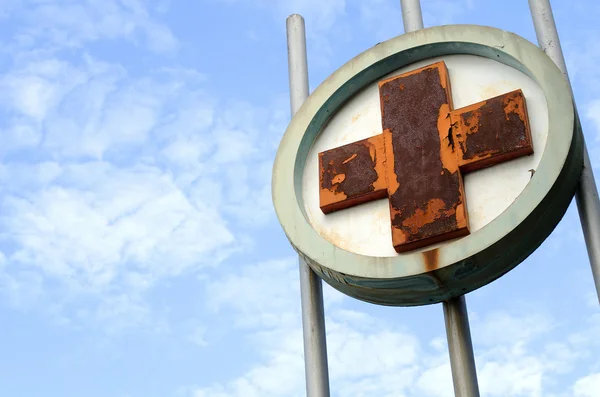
(419, 159)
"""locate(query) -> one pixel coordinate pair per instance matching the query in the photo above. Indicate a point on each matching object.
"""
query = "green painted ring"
(470, 262)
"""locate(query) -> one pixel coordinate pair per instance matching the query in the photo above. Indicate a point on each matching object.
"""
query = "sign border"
(459, 266)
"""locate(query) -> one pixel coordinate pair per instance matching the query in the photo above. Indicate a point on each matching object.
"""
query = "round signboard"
(429, 165)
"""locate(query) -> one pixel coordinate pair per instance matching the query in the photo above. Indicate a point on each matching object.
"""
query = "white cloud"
(106, 217)
(105, 176)
(262, 297)
(30, 92)
(518, 354)
(436, 381)
(588, 386)
(503, 328)
(72, 24)
(262, 294)
(367, 356)
(144, 173)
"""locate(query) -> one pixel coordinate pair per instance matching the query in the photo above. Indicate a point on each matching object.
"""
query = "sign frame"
(459, 266)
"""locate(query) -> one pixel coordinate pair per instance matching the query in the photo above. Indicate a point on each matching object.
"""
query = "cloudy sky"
(139, 252)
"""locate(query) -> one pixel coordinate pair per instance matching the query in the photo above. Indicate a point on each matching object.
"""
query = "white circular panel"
(366, 229)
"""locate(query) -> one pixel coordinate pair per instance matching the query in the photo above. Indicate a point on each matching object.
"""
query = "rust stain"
(431, 259)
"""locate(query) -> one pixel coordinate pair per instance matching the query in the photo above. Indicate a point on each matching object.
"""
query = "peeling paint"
(427, 201)
(434, 210)
(492, 131)
(352, 174)
(353, 157)
(444, 127)
(418, 169)
(392, 177)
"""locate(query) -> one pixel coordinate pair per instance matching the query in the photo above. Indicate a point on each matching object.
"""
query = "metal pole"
(313, 325)
(587, 193)
(311, 290)
(411, 15)
(462, 360)
(297, 61)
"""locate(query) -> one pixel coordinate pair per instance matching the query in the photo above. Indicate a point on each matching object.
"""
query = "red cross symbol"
(419, 159)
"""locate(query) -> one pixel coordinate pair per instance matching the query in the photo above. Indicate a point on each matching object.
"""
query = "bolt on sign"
(429, 166)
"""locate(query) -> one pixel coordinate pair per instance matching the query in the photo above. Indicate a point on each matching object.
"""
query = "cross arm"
(492, 131)
(352, 174)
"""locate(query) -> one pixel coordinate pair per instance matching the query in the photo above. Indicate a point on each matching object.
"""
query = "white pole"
(297, 61)
(462, 359)
(411, 15)
(587, 193)
(311, 290)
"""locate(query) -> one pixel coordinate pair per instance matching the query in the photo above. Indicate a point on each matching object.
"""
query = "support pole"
(411, 15)
(311, 290)
(313, 326)
(462, 359)
(587, 193)
(297, 61)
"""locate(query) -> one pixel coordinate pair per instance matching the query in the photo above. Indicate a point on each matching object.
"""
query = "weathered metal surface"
(460, 345)
(426, 192)
(352, 174)
(492, 131)
(458, 266)
(418, 160)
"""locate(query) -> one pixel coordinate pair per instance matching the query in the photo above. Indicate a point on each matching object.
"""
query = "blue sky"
(139, 252)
